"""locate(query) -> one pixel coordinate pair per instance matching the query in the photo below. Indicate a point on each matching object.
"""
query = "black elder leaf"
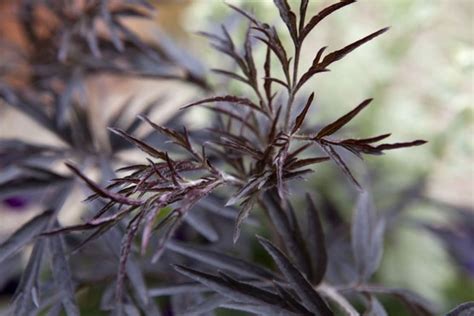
(367, 236)
(220, 260)
(140, 144)
(24, 235)
(235, 290)
(310, 298)
(340, 163)
(321, 15)
(339, 54)
(288, 17)
(302, 115)
(62, 276)
(315, 242)
(343, 120)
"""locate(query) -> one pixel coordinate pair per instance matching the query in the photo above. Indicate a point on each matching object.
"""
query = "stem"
(292, 90)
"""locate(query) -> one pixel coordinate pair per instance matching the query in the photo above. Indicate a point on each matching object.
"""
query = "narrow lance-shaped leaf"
(321, 15)
(24, 235)
(366, 236)
(220, 260)
(238, 291)
(339, 54)
(288, 17)
(247, 206)
(124, 253)
(340, 122)
(102, 192)
(316, 242)
(25, 302)
(62, 276)
(141, 145)
(230, 99)
(298, 282)
(341, 164)
(300, 118)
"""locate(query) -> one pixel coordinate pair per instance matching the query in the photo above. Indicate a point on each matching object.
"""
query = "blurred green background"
(420, 74)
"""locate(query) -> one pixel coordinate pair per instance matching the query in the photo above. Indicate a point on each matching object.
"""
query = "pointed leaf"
(62, 276)
(24, 235)
(300, 118)
(343, 120)
(316, 242)
(220, 260)
(298, 282)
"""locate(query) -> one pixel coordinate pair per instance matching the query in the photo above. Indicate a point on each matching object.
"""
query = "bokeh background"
(421, 76)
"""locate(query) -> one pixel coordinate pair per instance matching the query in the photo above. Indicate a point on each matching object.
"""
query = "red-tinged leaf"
(340, 122)
(149, 222)
(341, 164)
(245, 14)
(230, 99)
(279, 163)
(126, 245)
(273, 128)
(316, 243)
(400, 145)
(251, 69)
(338, 54)
(267, 83)
(141, 145)
(300, 118)
(174, 175)
(243, 214)
(102, 192)
(292, 155)
(253, 184)
(321, 15)
(305, 162)
(288, 17)
(303, 9)
(318, 56)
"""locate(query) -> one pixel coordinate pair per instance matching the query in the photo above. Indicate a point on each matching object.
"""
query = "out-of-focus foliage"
(417, 75)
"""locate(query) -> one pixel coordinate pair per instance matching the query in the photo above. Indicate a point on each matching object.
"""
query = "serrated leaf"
(288, 17)
(343, 120)
(339, 54)
(300, 118)
(141, 145)
(321, 15)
